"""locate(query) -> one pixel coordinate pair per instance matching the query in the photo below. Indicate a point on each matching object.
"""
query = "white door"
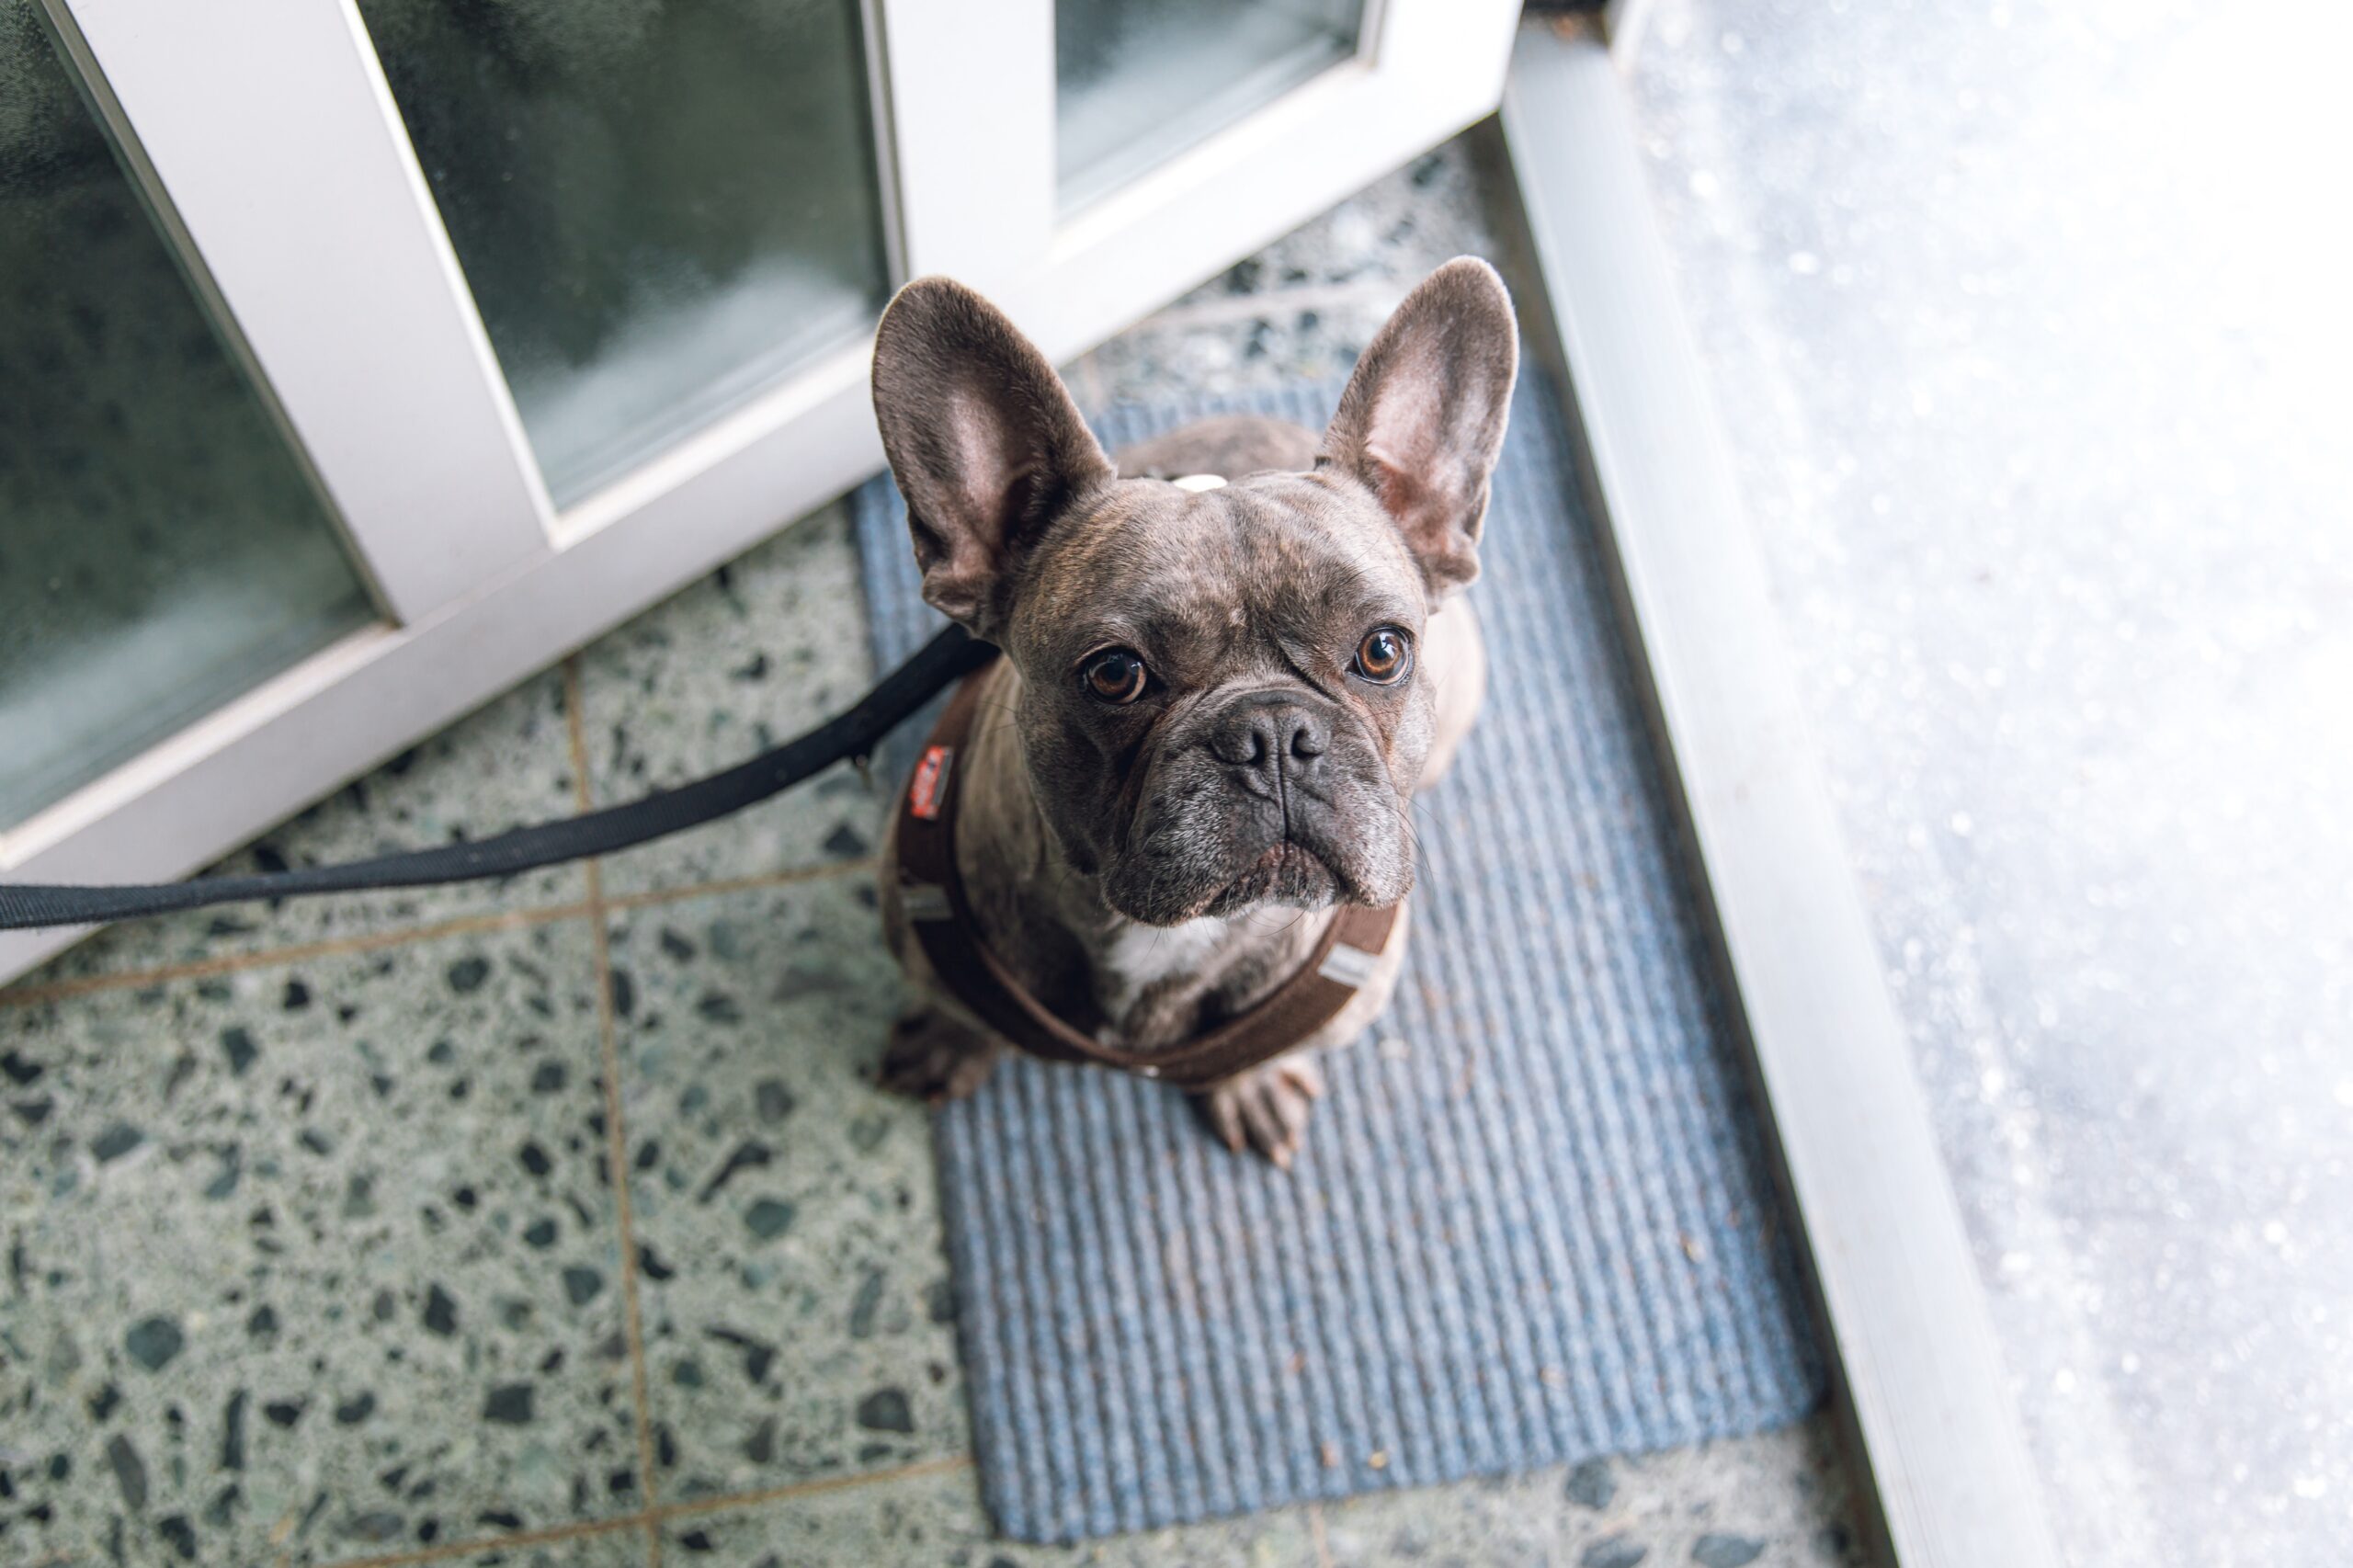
(368, 355)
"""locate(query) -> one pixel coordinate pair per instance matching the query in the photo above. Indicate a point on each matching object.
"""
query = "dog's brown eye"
(1115, 674)
(1384, 655)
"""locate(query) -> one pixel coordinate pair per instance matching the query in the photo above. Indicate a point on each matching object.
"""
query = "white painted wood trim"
(971, 115)
(884, 135)
(1919, 1367)
(266, 135)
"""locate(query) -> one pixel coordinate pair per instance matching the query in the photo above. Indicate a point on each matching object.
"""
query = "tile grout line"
(943, 1464)
(376, 942)
(652, 1518)
(616, 1134)
(297, 952)
(617, 1156)
(653, 896)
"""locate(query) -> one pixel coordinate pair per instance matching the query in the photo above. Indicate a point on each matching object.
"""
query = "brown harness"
(932, 892)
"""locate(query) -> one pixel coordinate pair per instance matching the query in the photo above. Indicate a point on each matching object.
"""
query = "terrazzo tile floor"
(560, 1222)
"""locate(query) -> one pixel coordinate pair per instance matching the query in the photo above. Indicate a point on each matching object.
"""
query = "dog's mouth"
(1284, 872)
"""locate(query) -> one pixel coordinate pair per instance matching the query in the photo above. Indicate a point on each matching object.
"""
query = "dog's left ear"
(1423, 418)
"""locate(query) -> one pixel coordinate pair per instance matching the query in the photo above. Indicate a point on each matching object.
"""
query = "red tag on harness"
(929, 788)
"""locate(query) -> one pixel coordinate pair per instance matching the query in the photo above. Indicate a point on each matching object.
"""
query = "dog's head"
(1219, 701)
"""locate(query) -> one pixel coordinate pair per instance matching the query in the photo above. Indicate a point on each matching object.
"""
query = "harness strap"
(932, 892)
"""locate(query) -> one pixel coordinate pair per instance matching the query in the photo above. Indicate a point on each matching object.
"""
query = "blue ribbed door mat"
(1531, 1224)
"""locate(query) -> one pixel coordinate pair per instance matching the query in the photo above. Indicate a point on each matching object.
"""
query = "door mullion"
(971, 117)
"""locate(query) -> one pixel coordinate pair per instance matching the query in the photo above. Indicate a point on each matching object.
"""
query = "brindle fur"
(1149, 870)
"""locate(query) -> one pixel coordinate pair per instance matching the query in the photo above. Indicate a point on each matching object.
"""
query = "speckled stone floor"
(560, 1222)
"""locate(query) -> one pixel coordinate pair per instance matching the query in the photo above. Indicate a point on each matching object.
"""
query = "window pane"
(660, 208)
(1138, 80)
(160, 549)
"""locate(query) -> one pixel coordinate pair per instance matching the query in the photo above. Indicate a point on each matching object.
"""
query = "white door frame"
(265, 137)
(1920, 1378)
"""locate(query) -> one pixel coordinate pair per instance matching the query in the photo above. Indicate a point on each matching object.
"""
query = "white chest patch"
(1197, 481)
(1142, 956)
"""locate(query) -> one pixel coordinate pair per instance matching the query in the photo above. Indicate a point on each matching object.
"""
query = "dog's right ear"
(985, 443)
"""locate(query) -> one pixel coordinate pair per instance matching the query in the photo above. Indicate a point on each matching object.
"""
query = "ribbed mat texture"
(1531, 1224)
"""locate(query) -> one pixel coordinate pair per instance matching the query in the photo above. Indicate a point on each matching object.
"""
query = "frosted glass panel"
(160, 549)
(1138, 80)
(661, 207)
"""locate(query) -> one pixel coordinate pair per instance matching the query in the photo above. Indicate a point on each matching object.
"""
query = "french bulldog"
(1216, 701)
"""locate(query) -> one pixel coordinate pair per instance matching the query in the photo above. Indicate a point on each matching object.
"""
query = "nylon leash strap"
(946, 659)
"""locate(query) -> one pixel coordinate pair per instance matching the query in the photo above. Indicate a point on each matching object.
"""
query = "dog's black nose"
(1269, 734)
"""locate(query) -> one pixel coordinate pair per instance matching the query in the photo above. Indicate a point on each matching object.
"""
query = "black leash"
(945, 659)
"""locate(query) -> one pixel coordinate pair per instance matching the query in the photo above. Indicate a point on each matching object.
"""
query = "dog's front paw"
(1266, 1107)
(933, 1057)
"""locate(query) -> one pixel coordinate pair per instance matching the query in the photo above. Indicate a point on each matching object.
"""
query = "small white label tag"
(1349, 966)
(1198, 482)
(924, 901)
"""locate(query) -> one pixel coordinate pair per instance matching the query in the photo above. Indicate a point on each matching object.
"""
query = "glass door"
(540, 312)
(660, 210)
(1138, 80)
(162, 550)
